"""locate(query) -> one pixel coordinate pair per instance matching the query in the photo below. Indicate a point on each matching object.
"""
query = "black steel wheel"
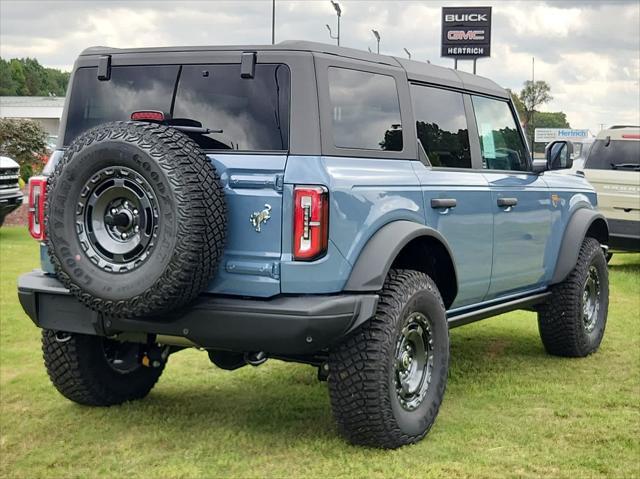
(135, 219)
(117, 219)
(414, 361)
(388, 377)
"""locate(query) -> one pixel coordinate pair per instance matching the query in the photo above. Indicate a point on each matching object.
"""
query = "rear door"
(520, 200)
(242, 124)
(457, 200)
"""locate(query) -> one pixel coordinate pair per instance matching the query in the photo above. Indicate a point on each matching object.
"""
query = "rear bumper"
(281, 325)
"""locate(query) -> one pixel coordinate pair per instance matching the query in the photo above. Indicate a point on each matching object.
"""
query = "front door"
(520, 200)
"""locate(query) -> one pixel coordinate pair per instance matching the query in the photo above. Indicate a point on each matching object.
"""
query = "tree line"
(26, 77)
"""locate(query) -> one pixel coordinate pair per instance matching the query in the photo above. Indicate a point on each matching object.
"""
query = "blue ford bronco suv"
(306, 203)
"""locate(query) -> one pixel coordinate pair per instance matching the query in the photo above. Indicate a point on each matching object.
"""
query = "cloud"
(587, 50)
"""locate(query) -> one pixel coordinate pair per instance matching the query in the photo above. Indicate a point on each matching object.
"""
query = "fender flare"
(574, 234)
(376, 258)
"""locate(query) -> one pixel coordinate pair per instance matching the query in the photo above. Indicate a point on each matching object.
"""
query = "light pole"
(338, 10)
(377, 35)
(273, 22)
(408, 53)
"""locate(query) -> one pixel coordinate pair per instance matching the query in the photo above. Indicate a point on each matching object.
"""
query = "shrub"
(23, 141)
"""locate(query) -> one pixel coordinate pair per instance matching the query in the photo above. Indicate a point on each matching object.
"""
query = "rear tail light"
(37, 197)
(310, 222)
(631, 136)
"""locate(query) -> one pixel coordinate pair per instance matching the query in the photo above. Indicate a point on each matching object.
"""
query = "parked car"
(613, 168)
(580, 152)
(302, 202)
(10, 192)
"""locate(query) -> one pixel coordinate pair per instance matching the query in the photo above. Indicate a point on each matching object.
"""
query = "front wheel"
(97, 371)
(573, 320)
(388, 377)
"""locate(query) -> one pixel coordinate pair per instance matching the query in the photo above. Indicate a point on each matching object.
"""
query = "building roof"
(416, 71)
(31, 106)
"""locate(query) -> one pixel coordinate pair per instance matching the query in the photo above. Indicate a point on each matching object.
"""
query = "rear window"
(366, 110)
(253, 113)
(614, 155)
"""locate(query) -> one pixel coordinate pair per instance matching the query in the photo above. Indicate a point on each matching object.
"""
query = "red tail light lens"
(631, 136)
(310, 222)
(37, 197)
(147, 115)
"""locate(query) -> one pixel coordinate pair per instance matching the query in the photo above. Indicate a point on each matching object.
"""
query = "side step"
(496, 309)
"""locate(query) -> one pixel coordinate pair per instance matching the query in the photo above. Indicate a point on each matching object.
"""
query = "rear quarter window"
(365, 110)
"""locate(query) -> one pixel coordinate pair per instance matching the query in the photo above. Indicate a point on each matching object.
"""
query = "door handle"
(437, 203)
(508, 202)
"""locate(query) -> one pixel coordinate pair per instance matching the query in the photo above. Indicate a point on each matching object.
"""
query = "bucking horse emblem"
(258, 218)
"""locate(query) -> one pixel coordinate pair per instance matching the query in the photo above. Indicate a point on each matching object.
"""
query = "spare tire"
(135, 219)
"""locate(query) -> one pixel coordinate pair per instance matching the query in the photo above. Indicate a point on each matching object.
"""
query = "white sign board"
(546, 135)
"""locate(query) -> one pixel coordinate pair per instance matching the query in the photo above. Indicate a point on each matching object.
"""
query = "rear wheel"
(387, 379)
(573, 320)
(98, 371)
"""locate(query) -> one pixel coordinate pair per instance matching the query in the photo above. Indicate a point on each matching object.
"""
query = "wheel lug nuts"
(135, 211)
(124, 235)
(113, 211)
(137, 228)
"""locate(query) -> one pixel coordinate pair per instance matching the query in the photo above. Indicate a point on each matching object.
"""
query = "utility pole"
(273, 22)
(533, 111)
(377, 35)
(408, 53)
(336, 7)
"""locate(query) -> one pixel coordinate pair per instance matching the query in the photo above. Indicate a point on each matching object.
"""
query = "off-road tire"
(191, 219)
(560, 319)
(79, 370)
(361, 369)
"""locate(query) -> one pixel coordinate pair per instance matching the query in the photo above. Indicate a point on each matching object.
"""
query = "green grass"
(509, 411)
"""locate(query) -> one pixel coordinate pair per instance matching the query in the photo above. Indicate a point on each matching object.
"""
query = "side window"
(365, 110)
(500, 141)
(442, 126)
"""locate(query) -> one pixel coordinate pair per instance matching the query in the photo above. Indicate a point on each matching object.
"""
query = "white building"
(46, 110)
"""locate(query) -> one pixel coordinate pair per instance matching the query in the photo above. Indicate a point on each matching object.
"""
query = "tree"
(24, 141)
(533, 95)
(7, 85)
(26, 77)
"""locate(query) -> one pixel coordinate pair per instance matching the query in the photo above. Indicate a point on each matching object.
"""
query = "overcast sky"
(588, 51)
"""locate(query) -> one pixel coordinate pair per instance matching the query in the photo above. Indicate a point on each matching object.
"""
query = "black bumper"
(624, 235)
(10, 203)
(281, 325)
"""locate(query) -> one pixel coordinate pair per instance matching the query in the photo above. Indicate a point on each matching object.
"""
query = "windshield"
(247, 114)
(614, 155)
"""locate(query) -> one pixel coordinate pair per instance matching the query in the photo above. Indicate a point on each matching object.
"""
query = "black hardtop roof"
(416, 71)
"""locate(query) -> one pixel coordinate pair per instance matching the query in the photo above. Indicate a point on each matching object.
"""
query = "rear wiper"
(195, 129)
(625, 166)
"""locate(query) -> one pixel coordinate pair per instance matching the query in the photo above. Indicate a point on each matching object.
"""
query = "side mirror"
(559, 155)
(539, 166)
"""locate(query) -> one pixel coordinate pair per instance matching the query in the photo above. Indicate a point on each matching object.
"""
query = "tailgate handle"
(437, 203)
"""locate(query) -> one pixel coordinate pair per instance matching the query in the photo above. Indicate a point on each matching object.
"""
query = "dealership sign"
(466, 32)
(545, 135)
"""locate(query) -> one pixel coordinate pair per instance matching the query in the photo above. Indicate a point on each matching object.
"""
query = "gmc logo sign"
(465, 35)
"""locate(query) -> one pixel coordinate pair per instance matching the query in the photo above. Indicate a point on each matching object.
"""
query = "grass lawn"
(509, 411)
